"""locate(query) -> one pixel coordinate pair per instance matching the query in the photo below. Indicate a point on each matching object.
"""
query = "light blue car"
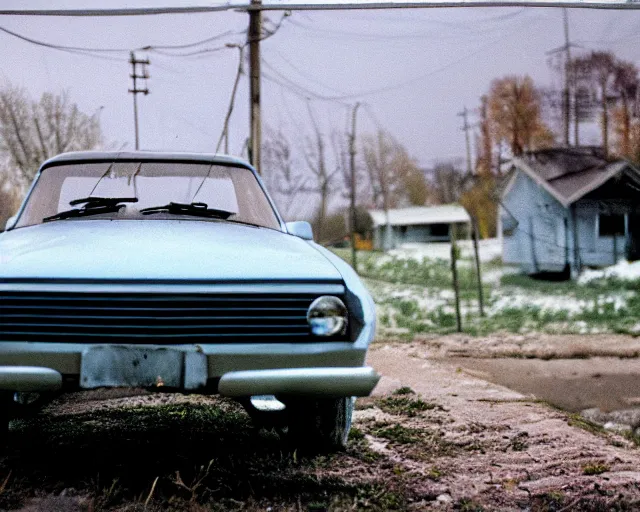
(175, 270)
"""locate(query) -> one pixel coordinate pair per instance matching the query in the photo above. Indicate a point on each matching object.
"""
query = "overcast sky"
(415, 69)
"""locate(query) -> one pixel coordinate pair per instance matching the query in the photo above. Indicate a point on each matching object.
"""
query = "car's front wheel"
(319, 425)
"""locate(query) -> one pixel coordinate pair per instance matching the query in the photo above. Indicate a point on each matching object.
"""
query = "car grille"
(155, 318)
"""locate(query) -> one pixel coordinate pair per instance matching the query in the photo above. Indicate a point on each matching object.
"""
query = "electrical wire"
(305, 75)
(59, 47)
(189, 54)
(377, 36)
(196, 43)
(92, 50)
(392, 87)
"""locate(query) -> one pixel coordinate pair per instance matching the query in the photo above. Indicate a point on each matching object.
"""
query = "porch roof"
(421, 215)
(569, 174)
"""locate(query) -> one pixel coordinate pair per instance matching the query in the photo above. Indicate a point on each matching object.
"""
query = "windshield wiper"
(92, 206)
(194, 209)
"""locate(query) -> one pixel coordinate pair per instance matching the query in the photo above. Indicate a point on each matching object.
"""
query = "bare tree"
(598, 70)
(9, 197)
(284, 179)
(32, 131)
(394, 177)
(449, 182)
(315, 155)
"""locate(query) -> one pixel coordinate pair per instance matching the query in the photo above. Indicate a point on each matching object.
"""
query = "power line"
(88, 50)
(189, 54)
(308, 76)
(243, 6)
(393, 87)
(304, 92)
(414, 35)
(196, 43)
(60, 47)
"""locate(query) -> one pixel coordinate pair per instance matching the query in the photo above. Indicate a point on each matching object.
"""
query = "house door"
(634, 237)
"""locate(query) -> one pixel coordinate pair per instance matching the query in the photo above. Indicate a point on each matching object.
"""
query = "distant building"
(565, 208)
(419, 224)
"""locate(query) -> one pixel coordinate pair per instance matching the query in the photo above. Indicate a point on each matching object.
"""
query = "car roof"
(145, 156)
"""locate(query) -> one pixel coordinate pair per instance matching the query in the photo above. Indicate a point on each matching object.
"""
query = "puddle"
(572, 384)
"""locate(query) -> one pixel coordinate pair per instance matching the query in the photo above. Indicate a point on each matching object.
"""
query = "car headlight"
(327, 316)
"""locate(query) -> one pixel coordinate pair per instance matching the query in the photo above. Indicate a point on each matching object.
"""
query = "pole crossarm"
(326, 6)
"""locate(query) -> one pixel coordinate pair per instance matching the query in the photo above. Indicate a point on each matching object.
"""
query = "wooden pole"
(454, 272)
(352, 152)
(255, 33)
(478, 266)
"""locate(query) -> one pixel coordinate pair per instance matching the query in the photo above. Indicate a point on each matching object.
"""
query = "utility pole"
(567, 69)
(254, 35)
(566, 97)
(144, 74)
(466, 127)
(352, 152)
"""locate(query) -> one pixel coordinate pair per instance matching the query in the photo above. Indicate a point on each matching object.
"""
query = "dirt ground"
(434, 437)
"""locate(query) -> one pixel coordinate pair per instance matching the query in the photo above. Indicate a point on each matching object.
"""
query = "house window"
(611, 224)
(440, 230)
(509, 225)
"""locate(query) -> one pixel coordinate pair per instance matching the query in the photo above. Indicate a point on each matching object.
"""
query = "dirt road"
(432, 438)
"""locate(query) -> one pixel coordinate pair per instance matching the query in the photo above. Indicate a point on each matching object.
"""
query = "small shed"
(565, 208)
(418, 224)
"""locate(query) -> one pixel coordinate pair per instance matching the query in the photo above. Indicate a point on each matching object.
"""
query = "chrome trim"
(328, 382)
(27, 379)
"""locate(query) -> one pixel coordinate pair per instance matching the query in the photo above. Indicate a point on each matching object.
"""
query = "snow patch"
(488, 250)
(623, 270)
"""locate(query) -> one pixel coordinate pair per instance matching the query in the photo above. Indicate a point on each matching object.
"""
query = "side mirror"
(300, 228)
(11, 221)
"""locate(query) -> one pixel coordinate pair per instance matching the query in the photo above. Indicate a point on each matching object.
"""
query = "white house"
(418, 224)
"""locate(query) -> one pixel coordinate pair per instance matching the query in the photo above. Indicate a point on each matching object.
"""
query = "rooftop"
(421, 215)
(568, 174)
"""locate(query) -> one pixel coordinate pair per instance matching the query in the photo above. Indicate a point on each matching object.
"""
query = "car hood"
(158, 249)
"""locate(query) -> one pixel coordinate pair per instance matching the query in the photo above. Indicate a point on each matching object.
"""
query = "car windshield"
(154, 184)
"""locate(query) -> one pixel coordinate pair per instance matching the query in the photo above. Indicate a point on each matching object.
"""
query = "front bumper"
(326, 382)
(325, 369)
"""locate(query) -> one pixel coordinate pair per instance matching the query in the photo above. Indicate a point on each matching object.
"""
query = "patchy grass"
(555, 308)
(576, 420)
(404, 390)
(188, 455)
(416, 297)
(404, 405)
(397, 433)
(595, 468)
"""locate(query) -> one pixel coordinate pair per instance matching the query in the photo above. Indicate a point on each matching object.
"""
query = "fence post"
(454, 271)
(478, 266)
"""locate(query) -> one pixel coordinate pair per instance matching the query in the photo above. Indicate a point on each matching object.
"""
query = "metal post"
(254, 35)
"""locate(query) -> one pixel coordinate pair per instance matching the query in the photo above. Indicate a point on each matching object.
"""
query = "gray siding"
(539, 241)
(544, 241)
(596, 250)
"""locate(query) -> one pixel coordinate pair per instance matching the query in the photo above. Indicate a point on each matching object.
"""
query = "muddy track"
(432, 437)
